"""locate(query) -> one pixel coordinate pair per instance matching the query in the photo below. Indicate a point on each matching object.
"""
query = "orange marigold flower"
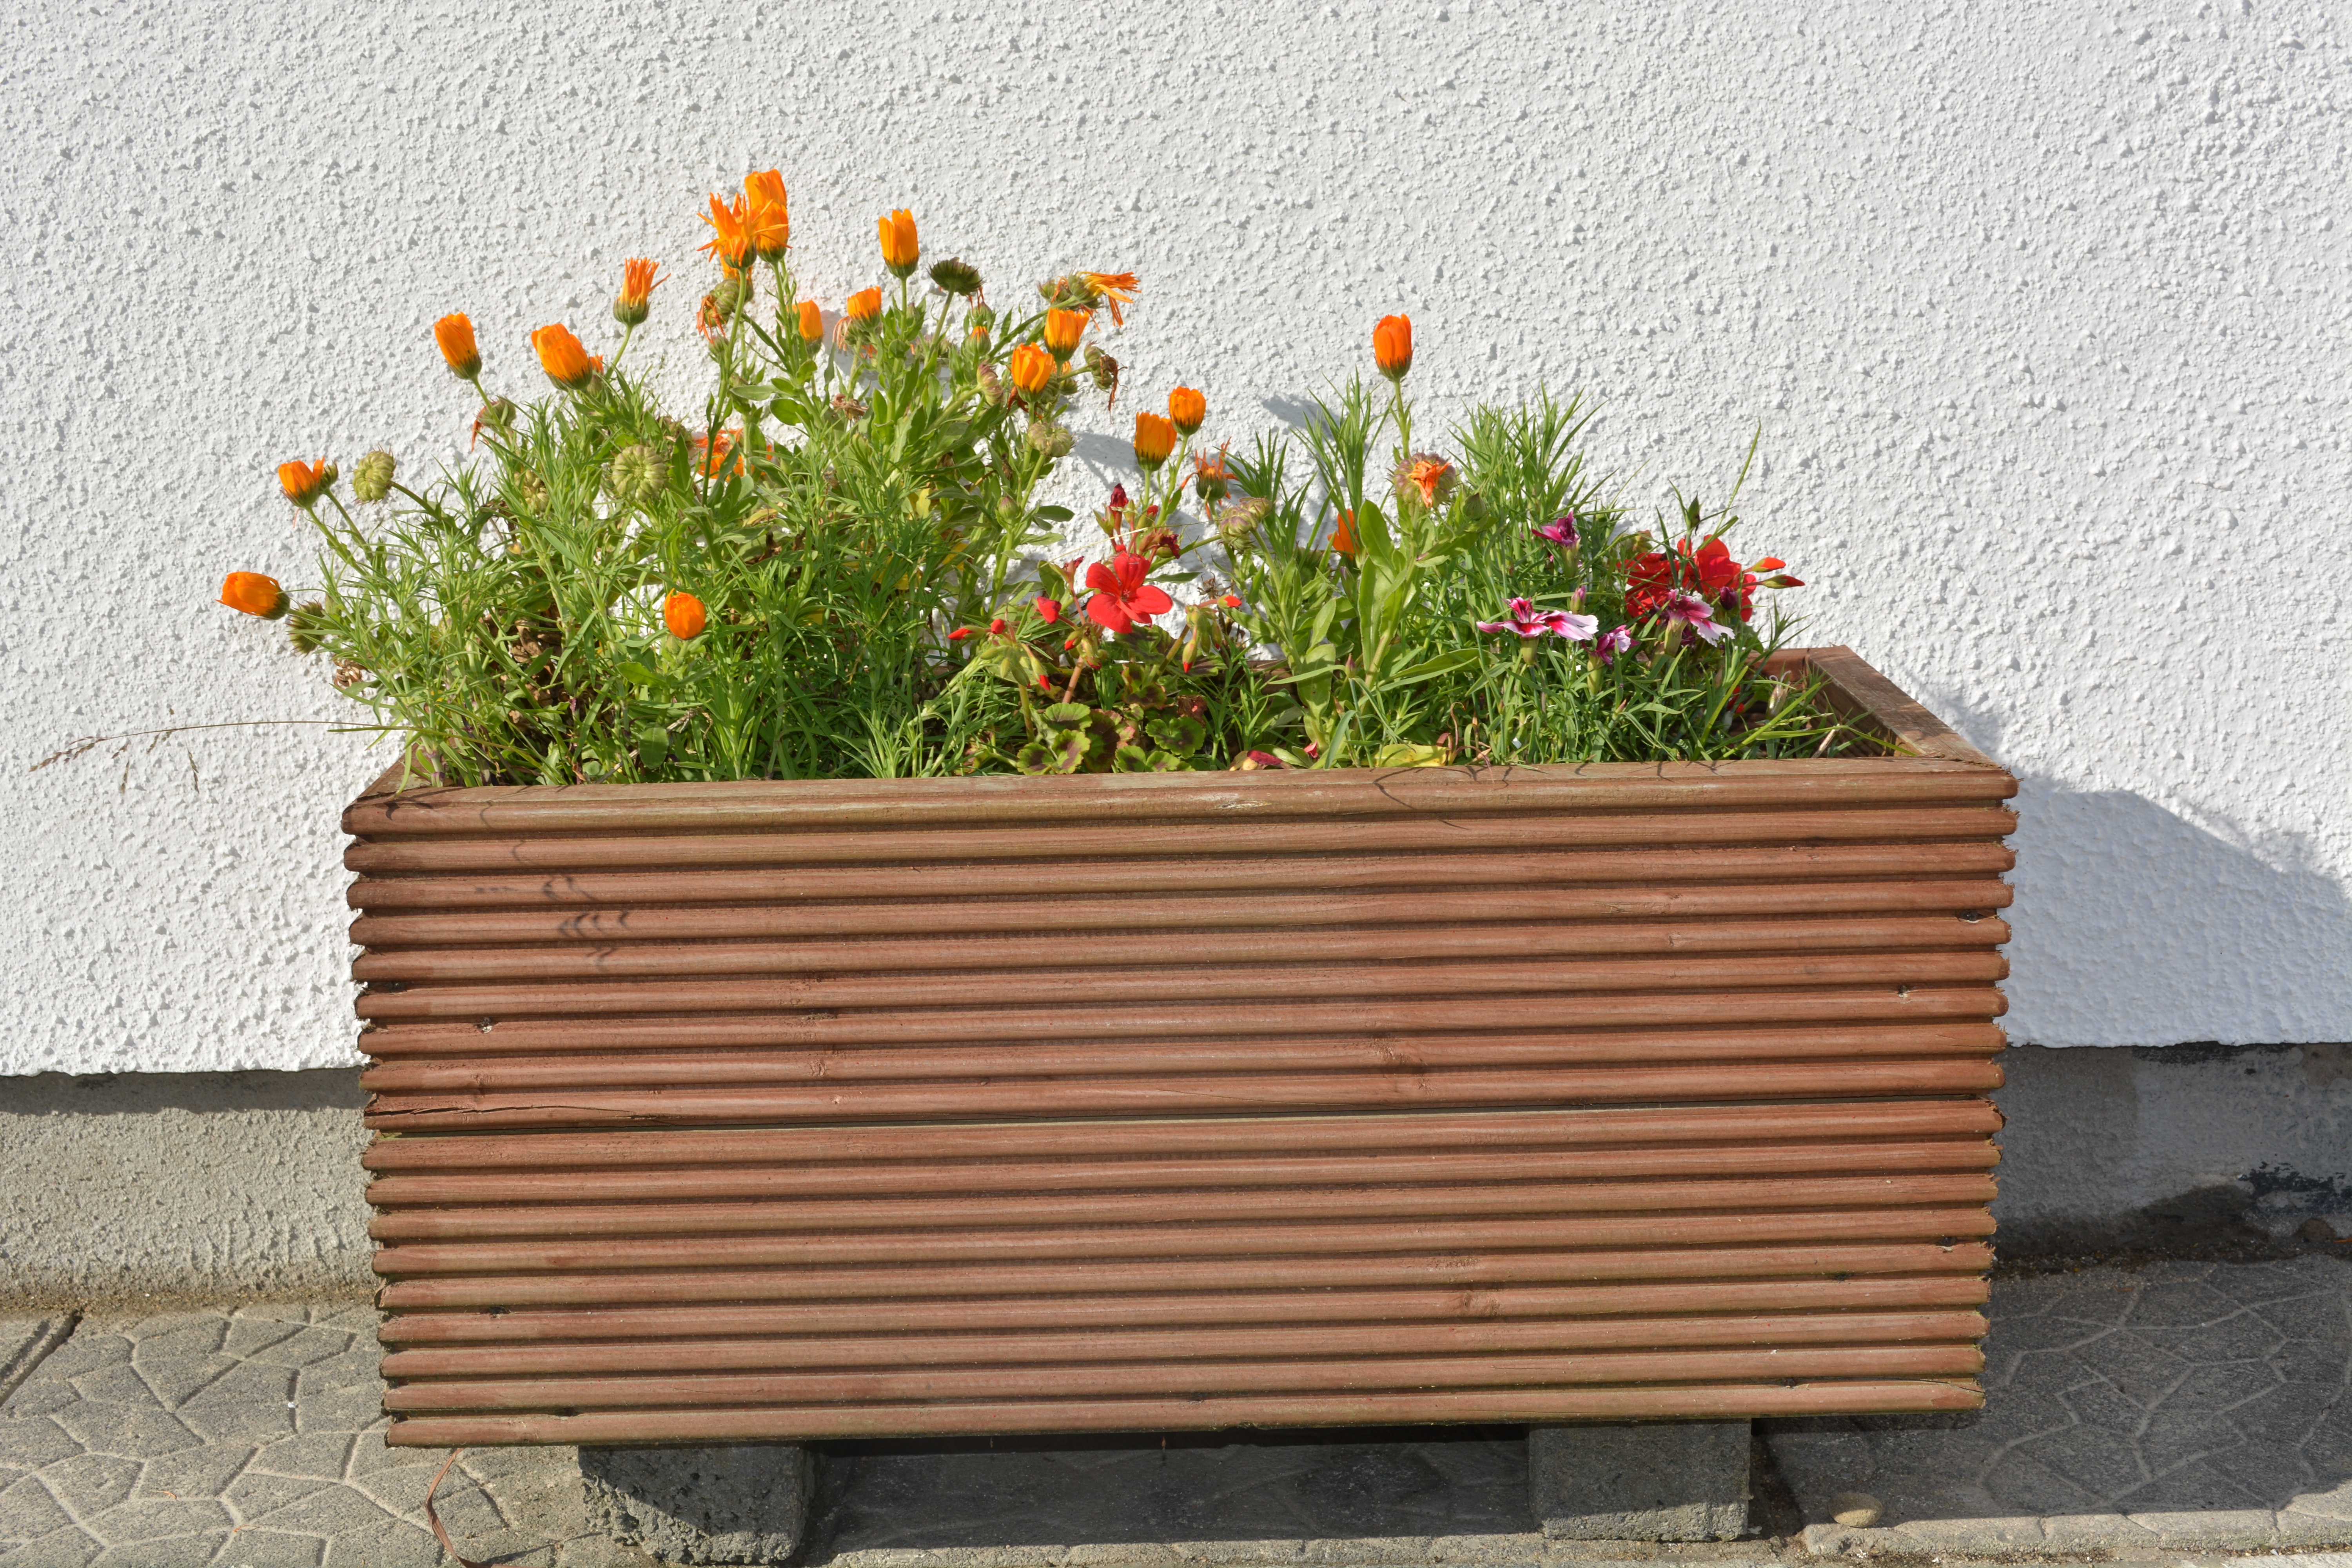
(1392, 346)
(864, 305)
(1117, 289)
(560, 354)
(1155, 437)
(812, 320)
(731, 235)
(303, 482)
(1063, 329)
(768, 223)
(254, 594)
(1188, 408)
(713, 451)
(899, 247)
(1343, 534)
(1030, 367)
(636, 301)
(684, 616)
(454, 334)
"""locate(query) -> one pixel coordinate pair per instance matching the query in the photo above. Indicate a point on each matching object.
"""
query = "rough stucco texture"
(2042, 310)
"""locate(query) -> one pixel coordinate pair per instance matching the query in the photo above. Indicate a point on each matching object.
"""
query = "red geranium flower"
(1708, 572)
(1121, 595)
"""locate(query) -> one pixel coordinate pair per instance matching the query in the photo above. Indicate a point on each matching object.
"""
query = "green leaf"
(1054, 513)
(1430, 670)
(1068, 712)
(653, 745)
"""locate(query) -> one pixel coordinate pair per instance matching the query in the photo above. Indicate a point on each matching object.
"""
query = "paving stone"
(68, 1548)
(131, 1432)
(28, 1509)
(29, 1445)
(157, 1519)
(256, 1495)
(391, 1544)
(255, 1548)
(325, 1455)
(199, 1472)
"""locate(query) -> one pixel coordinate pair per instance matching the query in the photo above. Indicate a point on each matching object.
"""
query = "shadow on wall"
(2135, 926)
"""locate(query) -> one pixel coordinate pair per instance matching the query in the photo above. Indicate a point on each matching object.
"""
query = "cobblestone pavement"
(2180, 1409)
(2182, 1406)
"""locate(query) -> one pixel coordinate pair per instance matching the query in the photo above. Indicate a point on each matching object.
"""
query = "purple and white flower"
(1613, 641)
(1531, 622)
(1692, 613)
(1560, 531)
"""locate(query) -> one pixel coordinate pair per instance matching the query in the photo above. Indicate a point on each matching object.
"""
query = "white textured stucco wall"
(2044, 310)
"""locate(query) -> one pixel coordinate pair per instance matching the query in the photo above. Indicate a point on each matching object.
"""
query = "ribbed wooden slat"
(1824, 1302)
(763, 1112)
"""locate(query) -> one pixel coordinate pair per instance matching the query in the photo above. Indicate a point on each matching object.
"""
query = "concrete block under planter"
(1665, 1480)
(744, 1503)
(720, 1113)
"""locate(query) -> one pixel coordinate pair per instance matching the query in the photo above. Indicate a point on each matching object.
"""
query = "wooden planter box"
(719, 1114)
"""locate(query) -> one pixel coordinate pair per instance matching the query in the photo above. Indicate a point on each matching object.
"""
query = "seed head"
(372, 476)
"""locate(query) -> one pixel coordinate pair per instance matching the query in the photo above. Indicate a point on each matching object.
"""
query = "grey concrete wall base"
(1651, 1481)
(746, 1503)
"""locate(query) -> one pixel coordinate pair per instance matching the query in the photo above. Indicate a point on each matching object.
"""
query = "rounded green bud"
(306, 627)
(956, 276)
(1051, 441)
(372, 476)
(728, 297)
(636, 475)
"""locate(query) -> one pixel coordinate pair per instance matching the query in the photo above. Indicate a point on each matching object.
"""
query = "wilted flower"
(372, 476)
(1424, 476)
(1105, 370)
(1114, 290)
(1392, 346)
(1188, 408)
(497, 415)
(1121, 597)
(561, 355)
(956, 276)
(1209, 479)
(1530, 622)
(730, 232)
(303, 482)
(1063, 329)
(1560, 531)
(684, 616)
(767, 221)
(455, 336)
(899, 250)
(1155, 438)
(306, 627)
(1030, 367)
(254, 594)
(636, 301)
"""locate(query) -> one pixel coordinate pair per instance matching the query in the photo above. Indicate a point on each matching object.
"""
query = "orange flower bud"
(1030, 367)
(898, 248)
(768, 225)
(1063, 329)
(454, 334)
(1188, 408)
(304, 483)
(684, 616)
(812, 320)
(864, 305)
(1155, 437)
(561, 355)
(636, 301)
(255, 595)
(1392, 346)
(1343, 534)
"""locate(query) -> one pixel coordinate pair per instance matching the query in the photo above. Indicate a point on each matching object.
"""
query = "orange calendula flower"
(1188, 408)
(1063, 329)
(899, 247)
(731, 236)
(684, 616)
(864, 305)
(560, 354)
(1030, 367)
(1155, 437)
(713, 451)
(303, 482)
(768, 223)
(1392, 346)
(811, 321)
(636, 301)
(454, 335)
(1117, 289)
(254, 594)
(1343, 534)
